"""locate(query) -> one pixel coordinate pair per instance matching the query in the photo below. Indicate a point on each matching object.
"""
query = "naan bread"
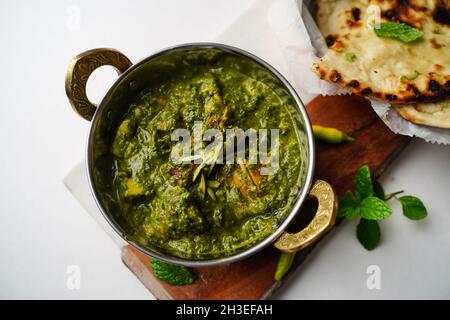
(379, 63)
(436, 114)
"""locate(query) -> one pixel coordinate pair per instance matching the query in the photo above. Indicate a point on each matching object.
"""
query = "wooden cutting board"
(252, 278)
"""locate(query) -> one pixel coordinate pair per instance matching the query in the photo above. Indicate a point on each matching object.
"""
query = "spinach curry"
(215, 210)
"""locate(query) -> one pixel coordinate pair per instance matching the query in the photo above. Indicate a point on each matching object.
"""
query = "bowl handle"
(322, 222)
(81, 67)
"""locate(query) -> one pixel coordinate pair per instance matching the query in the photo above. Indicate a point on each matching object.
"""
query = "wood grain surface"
(252, 278)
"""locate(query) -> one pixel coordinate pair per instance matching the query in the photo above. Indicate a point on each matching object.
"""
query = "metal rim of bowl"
(293, 211)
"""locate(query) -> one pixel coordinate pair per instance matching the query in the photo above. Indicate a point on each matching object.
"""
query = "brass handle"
(322, 222)
(81, 67)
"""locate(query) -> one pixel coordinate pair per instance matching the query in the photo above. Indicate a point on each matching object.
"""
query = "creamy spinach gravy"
(228, 207)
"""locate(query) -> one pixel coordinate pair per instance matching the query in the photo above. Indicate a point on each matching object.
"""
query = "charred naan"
(436, 114)
(382, 68)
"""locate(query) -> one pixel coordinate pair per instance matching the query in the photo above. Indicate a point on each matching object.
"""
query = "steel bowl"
(133, 78)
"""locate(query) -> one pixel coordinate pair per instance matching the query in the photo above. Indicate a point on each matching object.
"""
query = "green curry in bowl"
(224, 207)
(198, 208)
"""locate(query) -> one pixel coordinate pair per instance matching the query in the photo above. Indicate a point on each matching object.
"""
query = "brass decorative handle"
(322, 222)
(81, 67)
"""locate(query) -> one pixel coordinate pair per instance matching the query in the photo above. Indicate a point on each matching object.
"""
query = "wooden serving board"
(252, 278)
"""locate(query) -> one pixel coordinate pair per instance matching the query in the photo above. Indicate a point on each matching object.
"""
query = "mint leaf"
(172, 274)
(348, 206)
(378, 190)
(413, 207)
(372, 208)
(398, 31)
(368, 233)
(363, 183)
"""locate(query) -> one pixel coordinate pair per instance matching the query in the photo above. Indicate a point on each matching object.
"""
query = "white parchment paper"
(301, 43)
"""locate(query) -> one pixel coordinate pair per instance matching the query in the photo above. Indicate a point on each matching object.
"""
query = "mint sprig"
(363, 203)
(370, 203)
(398, 31)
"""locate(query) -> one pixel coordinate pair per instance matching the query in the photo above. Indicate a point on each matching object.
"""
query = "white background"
(43, 229)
